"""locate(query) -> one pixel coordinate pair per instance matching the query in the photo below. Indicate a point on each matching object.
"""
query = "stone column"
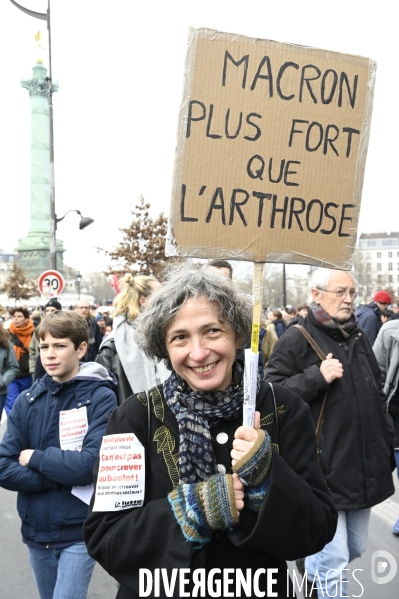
(34, 250)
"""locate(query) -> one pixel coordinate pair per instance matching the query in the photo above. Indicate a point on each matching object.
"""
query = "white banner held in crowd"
(250, 378)
(73, 428)
(121, 473)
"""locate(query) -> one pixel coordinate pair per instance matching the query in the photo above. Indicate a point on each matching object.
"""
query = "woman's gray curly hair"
(182, 283)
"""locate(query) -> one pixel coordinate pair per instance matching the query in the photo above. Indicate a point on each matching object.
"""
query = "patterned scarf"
(326, 320)
(196, 412)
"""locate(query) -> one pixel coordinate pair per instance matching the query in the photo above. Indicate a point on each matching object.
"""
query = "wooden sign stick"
(257, 292)
(252, 353)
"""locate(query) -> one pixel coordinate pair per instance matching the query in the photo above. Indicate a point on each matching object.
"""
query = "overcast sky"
(120, 68)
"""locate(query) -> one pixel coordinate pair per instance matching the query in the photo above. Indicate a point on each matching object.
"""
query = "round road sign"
(51, 283)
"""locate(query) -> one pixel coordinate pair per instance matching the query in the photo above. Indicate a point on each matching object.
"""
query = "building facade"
(7, 259)
(377, 263)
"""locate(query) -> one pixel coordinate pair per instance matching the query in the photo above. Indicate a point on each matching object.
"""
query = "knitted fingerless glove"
(201, 508)
(254, 467)
(254, 496)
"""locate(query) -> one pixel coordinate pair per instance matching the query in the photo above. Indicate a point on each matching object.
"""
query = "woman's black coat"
(297, 517)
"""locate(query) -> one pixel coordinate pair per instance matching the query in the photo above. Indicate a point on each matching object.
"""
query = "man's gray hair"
(181, 284)
(320, 279)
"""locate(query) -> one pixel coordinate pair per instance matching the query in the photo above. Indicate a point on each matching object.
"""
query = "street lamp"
(84, 221)
(78, 282)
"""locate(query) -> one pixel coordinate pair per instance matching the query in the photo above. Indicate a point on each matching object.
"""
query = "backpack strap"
(17, 341)
(275, 408)
(322, 357)
(311, 342)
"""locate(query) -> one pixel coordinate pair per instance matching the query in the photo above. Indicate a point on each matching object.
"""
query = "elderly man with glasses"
(356, 436)
(95, 335)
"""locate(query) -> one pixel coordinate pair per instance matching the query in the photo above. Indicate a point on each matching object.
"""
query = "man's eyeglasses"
(341, 292)
(83, 307)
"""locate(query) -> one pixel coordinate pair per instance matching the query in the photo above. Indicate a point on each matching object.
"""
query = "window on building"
(390, 266)
(390, 278)
(378, 254)
(389, 254)
(368, 266)
(368, 255)
(378, 265)
(368, 279)
(379, 279)
(11, 258)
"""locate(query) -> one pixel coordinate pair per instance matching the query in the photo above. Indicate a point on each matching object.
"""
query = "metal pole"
(284, 288)
(53, 217)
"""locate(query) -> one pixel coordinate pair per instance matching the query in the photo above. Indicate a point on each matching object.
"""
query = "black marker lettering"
(279, 77)
(258, 131)
(329, 98)
(328, 215)
(343, 218)
(330, 140)
(190, 117)
(295, 212)
(182, 217)
(317, 146)
(244, 60)
(214, 206)
(288, 172)
(309, 210)
(257, 174)
(307, 80)
(226, 128)
(268, 76)
(237, 205)
(208, 127)
(293, 130)
(275, 210)
(351, 94)
(350, 132)
(262, 197)
(280, 174)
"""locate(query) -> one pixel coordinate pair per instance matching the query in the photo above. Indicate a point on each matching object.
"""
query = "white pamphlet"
(250, 379)
(73, 428)
(121, 474)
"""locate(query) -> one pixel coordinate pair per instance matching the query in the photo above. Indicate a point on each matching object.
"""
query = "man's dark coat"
(357, 433)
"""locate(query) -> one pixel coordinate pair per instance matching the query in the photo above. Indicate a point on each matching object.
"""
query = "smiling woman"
(202, 347)
(217, 494)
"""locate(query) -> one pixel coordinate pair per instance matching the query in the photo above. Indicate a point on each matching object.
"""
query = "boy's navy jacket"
(48, 510)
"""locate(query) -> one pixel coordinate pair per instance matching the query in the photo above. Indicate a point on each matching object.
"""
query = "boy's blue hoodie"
(48, 510)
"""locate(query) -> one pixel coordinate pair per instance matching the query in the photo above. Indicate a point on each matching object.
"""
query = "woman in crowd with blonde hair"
(119, 352)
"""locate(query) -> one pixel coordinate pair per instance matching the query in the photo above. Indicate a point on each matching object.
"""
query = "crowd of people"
(167, 369)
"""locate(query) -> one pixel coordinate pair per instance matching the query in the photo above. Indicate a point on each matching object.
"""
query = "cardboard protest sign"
(121, 474)
(272, 144)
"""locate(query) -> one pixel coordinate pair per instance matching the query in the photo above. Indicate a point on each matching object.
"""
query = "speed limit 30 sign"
(51, 283)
